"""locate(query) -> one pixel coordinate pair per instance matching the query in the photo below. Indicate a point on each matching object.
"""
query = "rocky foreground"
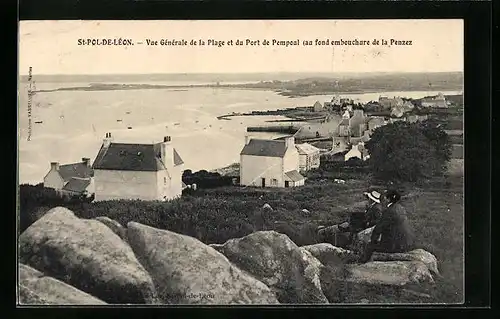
(66, 260)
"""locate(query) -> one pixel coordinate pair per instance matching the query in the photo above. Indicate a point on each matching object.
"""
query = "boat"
(118, 120)
(130, 127)
(38, 122)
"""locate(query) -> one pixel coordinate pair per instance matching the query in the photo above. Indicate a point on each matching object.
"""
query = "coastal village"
(339, 127)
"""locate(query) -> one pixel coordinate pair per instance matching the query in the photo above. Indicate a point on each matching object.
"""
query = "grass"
(435, 209)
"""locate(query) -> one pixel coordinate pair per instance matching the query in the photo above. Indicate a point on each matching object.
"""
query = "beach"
(75, 122)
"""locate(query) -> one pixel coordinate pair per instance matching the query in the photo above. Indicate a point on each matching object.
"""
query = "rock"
(87, 255)
(312, 272)
(37, 289)
(415, 255)
(189, 272)
(275, 260)
(328, 254)
(391, 273)
(115, 226)
(267, 206)
(364, 236)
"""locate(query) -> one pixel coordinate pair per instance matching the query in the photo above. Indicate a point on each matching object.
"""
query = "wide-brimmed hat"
(374, 196)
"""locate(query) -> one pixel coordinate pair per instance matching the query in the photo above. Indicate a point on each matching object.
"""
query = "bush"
(36, 200)
(204, 179)
(408, 151)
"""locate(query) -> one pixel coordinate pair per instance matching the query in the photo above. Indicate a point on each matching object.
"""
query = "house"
(71, 179)
(309, 156)
(389, 103)
(357, 150)
(434, 101)
(327, 128)
(270, 163)
(317, 107)
(357, 123)
(137, 171)
(397, 111)
(375, 122)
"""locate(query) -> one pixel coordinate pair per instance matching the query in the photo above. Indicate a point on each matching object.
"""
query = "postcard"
(240, 162)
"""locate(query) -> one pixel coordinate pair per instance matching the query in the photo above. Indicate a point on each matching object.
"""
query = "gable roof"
(81, 170)
(269, 148)
(177, 158)
(77, 185)
(306, 148)
(132, 157)
(293, 176)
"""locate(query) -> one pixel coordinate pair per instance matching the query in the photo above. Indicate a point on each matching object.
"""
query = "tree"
(407, 151)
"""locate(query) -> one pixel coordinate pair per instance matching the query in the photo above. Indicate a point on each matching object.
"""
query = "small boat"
(130, 127)
(177, 123)
(38, 122)
(128, 112)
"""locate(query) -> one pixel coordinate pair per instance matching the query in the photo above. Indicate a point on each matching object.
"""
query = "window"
(274, 182)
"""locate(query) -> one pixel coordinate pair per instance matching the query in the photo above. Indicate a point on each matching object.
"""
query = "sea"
(66, 126)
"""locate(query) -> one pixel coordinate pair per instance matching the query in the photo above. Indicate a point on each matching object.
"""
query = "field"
(215, 215)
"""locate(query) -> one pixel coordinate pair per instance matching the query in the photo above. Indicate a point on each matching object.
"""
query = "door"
(287, 184)
(263, 182)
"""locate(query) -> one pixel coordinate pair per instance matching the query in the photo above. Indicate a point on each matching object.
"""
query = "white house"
(309, 157)
(270, 163)
(357, 150)
(137, 171)
(435, 101)
(71, 179)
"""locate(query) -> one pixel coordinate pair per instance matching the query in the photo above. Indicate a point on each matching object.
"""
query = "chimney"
(247, 139)
(290, 141)
(107, 140)
(167, 152)
(86, 161)
(54, 166)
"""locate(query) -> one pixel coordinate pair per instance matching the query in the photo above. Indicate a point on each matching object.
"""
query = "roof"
(132, 157)
(293, 176)
(81, 170)
(268, 148)
(306, 148)
(177, 158)
(77, 185)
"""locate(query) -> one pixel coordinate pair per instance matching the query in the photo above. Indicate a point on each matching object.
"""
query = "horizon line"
(263, 72)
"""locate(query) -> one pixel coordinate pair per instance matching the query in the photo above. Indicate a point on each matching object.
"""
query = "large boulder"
(389, 273)
(415, 255)
(37, 289)
(328, 254)
(275, 260)
(87, 255)
(115, 226)
(187, 271)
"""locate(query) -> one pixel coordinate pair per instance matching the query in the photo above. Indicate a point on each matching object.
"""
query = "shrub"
(408, 151)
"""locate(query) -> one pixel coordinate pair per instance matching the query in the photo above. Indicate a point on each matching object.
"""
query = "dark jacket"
(395, 229)
(373, 214)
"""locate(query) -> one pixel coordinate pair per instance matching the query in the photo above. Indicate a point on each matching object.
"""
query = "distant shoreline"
(283, 92)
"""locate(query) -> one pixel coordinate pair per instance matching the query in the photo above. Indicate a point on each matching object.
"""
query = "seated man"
(392, 233)
(342, 235)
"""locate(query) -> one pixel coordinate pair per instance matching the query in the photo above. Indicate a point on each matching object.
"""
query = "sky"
(51, 47)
